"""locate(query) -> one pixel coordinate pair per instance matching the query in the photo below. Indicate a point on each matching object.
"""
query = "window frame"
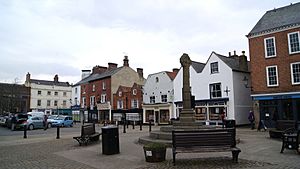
(268, 78)
(134, 103)
(48, 102)
(103, 85)
(94, 88)
(289, 42)
(39, 92)
(103, 98)
(39, 102)
(266, 47)
(49, 93)
(120, 104)
(164, 98)
(134, 91)
(152, 99)
(213, 67)
(213, 91)
(292, 73)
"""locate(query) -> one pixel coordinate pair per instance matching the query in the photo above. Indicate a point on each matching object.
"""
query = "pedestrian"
(251, 118)
(45, 123)
(223, 119)
(13, 122)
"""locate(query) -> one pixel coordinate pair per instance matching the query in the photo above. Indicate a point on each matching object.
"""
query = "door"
(156, 117)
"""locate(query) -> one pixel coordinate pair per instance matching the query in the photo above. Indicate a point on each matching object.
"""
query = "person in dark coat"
(251, 118)
(13, 122)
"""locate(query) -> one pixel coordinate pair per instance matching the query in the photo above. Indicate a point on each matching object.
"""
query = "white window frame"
(134, 91)
(164, 98)
(103, 85)
(289, 42)
(83, 102)
(120, 93)
(55, 103)
(92, 101)
(39, 92)
(120, 104)
(214, 67)
(48, 103)
(267, 75)
(266, 51)
(292, 73)
(134, 103)
(103, 98)
(211, 91)
(151, 99)
(94, 88)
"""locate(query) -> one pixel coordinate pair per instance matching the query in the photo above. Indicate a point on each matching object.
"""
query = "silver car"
(34, 122)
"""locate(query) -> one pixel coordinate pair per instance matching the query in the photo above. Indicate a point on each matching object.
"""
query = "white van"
(40, 114)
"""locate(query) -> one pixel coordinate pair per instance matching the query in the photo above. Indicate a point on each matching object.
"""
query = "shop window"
(149, 115)
(201, 113)
(164, 116)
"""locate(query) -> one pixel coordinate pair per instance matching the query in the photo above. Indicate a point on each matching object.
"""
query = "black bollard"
(133, 125)
(25, 131)
(57, 132)
(124, 127)
(149, 125)
(141, 126)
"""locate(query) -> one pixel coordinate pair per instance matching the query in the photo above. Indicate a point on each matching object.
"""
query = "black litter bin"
(229, 123)
(110, 140)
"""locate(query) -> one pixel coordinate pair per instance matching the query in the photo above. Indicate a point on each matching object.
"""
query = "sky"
(48, 37)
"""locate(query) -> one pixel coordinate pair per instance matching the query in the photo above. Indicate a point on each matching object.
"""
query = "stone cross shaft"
(186, 90)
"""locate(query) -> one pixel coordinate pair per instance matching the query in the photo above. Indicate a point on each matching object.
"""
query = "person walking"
(13, 122)
(251, 118)
(45, 122)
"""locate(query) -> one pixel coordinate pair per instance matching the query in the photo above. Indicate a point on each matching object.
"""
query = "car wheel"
(31, 127)
(49, 125)
(71, 125)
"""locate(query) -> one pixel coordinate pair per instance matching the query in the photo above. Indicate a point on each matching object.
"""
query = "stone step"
(161, 135)
(147, 139)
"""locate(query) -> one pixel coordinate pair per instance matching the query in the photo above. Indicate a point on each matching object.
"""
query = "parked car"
(34, 122)
(21, 119)
(62, 121)
(40, 114)
(3, 120)
(50, 120)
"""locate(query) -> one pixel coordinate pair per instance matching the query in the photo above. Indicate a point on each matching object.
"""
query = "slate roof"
(198, 66)
(232, 62)
(49, 83)
(97, 76)
(275, 19)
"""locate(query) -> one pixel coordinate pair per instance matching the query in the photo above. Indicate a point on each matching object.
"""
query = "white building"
(158, 97)
(49, 96)
(218, 87)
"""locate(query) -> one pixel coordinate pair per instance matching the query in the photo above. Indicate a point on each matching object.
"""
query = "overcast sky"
(48, 37)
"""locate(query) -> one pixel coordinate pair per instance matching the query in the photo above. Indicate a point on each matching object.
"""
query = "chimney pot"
(126, 61)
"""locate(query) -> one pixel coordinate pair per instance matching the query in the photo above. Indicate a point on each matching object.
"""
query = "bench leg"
(235, 155)
(174, 156)
(283, 145)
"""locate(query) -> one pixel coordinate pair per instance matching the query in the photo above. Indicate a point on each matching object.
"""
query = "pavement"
(45, 151)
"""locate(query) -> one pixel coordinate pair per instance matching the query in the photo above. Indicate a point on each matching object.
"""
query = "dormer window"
(103, 85)
(120, 94)
(134, 91)
(156, 79)
(94, 87)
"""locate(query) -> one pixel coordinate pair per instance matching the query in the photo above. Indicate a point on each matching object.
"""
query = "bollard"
(25, 131)
(57, 132)
(149, 125)
(127, 122)
(141, 126)
(124, 127)
(133, 125)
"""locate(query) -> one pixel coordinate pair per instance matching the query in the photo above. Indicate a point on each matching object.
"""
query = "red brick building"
(98, 89)
(274, 45)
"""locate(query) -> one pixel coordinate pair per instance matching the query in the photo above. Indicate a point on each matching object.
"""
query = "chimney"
(98, 69)
(126, 61)
(56, 78)
(175, 70)
(112, 66)
(140, 72)
(229, 54)
(243, 63)
(85, 73)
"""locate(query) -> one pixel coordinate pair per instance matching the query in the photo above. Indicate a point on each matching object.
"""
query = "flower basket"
(155, 152)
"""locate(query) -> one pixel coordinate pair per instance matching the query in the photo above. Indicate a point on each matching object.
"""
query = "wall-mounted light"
(246, 82)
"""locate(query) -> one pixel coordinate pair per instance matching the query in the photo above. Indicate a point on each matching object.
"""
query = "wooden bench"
(281, 126)
(205, 140)
(88, 134)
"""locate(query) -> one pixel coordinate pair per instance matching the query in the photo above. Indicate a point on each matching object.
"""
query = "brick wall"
(283, 59)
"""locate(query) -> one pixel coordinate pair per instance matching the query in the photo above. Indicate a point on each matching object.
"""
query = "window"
(164, 98)
(48, 102)
(120, 104)
(152, 99)
(295, 73)
(270, 47)
(294, 44)
(103, 85)
(156, 79)
(92, 101)
(55, 102)
(76, 90)
(272, 76)
(76, 100)
(64, 103)
(134, 103)
(39, 102)
(94, 87)
(214, 68)
(120, 94)
(49, 93)
(64, 93)
(103, 98)
(39, 92)
(215, 90)
(56, 93)
(134, 91)
(83, 102)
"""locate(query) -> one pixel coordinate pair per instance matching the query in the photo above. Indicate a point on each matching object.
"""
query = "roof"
(97, 76)
(49, 83)
(275, 19)
(172, 75)
(198, 66)
(232, 62)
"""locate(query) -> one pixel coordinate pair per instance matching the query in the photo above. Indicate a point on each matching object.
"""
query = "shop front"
(158, 113)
